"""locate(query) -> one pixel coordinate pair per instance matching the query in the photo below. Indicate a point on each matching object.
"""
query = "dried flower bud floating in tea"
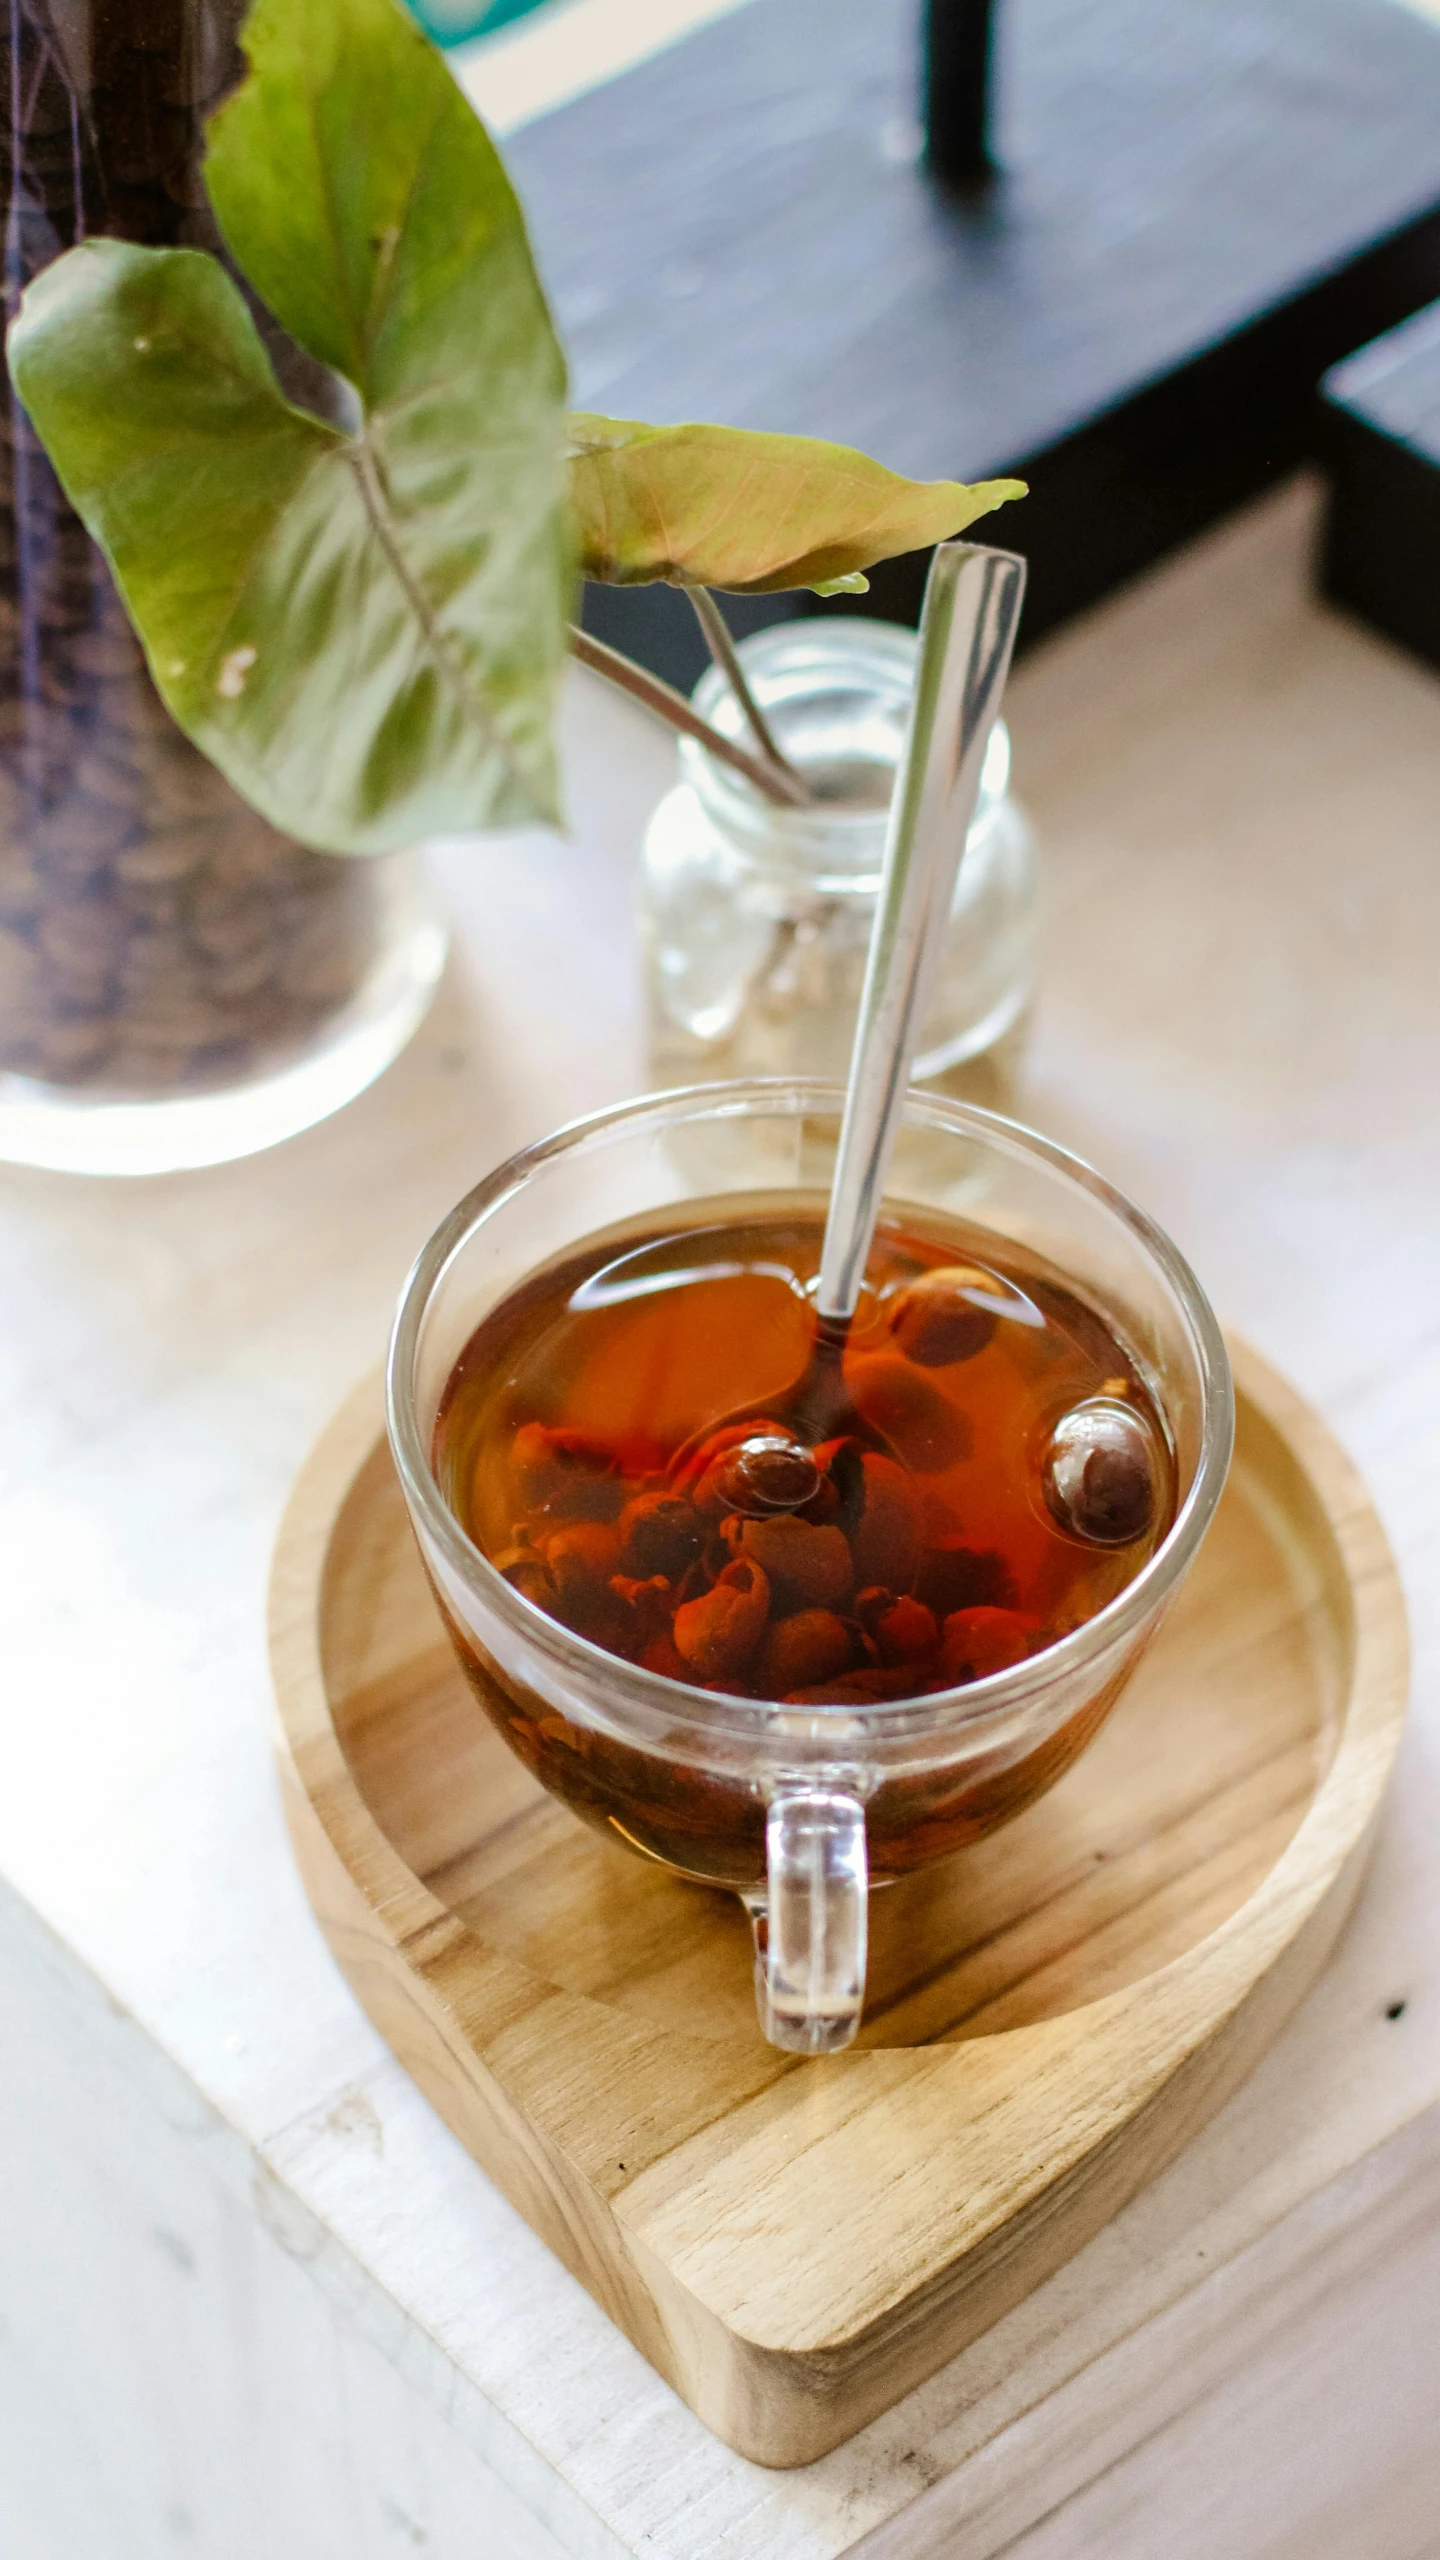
(945, 1315)
(1100, 1473)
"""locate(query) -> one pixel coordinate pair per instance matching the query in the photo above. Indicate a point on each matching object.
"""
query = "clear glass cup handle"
(810, 1934)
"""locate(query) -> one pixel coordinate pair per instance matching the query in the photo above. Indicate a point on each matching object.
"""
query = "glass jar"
(755, 919)
(179, 984)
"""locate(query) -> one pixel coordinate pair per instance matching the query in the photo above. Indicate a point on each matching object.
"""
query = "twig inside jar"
(727, 658)
(776, 781)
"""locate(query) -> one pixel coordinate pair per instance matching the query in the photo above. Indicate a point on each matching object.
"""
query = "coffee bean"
(227, 927)
(81, 832)
(317, 973)
(81, 938)
(230, 982)
(109, 652)
(63, 1052)
(176, 792)
(21, 975)
(105, 776)
(173, 853)
(168, 1019)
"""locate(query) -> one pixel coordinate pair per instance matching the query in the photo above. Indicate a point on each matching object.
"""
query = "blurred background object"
(957, 50)
(1196, 207)
(1381, 434)
(455, 21)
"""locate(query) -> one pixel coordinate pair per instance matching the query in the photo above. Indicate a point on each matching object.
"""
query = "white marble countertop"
(1239, 798)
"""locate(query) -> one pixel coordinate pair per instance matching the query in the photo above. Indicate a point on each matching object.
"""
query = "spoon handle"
(967, 633)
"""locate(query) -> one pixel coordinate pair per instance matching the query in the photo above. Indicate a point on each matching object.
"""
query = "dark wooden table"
(1201, 204)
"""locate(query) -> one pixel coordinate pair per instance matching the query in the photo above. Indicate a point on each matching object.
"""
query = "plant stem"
(776, 781)
(722, 649)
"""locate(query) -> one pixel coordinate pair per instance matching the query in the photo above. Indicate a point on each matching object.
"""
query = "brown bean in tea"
(635, 1441)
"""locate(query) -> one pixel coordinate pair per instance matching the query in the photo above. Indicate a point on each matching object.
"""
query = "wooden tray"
(1052, 2014)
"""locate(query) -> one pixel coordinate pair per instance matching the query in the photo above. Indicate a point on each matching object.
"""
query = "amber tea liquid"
(620, 1439)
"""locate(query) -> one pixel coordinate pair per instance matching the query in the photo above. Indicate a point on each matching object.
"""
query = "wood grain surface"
(1051, 2016)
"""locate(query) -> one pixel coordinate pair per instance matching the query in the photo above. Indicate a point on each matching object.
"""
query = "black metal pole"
(956, 90)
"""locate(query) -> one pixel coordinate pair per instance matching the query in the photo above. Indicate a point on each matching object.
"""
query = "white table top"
(1237, 795)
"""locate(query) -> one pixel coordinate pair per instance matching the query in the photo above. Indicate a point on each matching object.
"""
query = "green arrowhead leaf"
(364, 631)
(724, 507)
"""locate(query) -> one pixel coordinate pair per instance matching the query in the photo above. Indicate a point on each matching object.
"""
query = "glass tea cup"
(798, 1809)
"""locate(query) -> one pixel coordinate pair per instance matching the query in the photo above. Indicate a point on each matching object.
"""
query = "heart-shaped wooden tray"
(1052, 2014)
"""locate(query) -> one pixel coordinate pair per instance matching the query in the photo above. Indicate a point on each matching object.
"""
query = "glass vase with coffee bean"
(308, 401)
(179, 979)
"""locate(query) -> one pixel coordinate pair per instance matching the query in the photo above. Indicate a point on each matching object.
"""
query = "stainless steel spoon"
(967, 636)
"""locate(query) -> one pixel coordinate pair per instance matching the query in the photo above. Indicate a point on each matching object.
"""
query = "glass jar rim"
(835, 646)
(651, 1695)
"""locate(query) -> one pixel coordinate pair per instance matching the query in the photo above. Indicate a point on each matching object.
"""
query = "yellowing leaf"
(702, 506)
